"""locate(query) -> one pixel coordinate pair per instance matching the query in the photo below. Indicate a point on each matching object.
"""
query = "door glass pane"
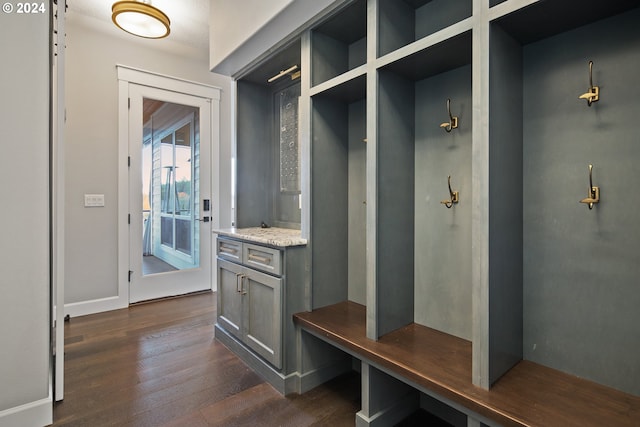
(183, 189)
(183, 169)
(167, 187)
(183, 236)
(170, 184)
(146, 195)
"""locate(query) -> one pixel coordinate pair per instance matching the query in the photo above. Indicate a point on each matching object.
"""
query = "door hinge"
(129, 103)
(130, 273)
(129, 219)
(129, 161)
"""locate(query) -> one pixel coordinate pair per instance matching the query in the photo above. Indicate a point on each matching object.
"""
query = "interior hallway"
(158, 364)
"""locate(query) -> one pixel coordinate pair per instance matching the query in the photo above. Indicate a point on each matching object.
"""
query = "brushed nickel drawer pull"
(239, 283)
(259, 258)
(228, 250)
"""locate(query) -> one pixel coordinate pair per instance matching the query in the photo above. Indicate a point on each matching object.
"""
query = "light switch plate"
(93, 200)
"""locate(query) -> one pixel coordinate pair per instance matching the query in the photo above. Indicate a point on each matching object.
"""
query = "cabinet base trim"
(284, 384)
(391, 415)
(312, 379)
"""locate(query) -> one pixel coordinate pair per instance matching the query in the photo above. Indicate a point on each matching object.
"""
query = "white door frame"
(127, 75)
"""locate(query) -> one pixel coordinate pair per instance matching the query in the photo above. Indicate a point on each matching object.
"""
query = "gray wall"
(581, 267)
(443, 236)
(92, 148)
(330, 222)
(254, 189)
(24, 246)
(357, 238)
(339, 210)
(258, 194)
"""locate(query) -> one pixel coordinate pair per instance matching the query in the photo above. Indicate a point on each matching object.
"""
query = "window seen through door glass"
(170, 186)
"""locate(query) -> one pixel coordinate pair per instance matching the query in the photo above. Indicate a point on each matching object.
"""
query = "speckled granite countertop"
(274, 236)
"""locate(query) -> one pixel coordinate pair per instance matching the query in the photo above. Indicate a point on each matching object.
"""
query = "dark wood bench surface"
(528, 395)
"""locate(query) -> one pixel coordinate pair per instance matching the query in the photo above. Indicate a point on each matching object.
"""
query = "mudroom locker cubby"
(467, 175)
(267, 145)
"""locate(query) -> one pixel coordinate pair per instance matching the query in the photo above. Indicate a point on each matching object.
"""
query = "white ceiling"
(189, 24)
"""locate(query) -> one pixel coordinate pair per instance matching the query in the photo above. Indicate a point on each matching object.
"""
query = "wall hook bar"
(594, 192)
(454, 196)
(291, 70)
(453, 121)
(593, 93)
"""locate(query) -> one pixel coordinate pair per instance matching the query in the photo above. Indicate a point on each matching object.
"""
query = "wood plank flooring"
(158, 364)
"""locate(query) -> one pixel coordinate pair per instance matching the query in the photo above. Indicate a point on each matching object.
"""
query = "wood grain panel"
(527, 395)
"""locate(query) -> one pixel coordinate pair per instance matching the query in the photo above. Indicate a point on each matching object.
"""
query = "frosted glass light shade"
(140, 19)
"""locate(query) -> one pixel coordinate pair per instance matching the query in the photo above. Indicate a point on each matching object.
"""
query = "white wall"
(92, 147)
(234, 21)
(243, 30)
(24, 246)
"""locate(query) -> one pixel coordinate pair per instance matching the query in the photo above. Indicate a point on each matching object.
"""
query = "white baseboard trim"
(95, 306)
(35, 414)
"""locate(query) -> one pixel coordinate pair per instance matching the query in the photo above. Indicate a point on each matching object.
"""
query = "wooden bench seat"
(528, 395)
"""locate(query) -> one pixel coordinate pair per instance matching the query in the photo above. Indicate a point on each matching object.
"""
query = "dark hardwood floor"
(158, 364)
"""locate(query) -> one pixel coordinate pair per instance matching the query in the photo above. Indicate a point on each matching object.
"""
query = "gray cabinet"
(250, 301)
(262, 281)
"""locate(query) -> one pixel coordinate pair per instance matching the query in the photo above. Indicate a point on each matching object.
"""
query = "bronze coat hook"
(454, 196)
(594, 192)
(593, 93)
(453, 121)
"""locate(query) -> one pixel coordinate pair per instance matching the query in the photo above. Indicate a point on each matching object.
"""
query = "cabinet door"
(229, 297)
(262, 327)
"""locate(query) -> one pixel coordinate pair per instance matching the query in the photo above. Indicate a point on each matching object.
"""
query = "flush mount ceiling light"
(140, 19)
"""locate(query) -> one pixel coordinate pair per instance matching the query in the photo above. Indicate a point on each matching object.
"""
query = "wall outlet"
(93, 200)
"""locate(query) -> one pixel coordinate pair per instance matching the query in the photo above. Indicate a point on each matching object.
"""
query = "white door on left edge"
(169, 193)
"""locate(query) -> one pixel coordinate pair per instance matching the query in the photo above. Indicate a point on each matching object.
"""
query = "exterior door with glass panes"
(169, 193)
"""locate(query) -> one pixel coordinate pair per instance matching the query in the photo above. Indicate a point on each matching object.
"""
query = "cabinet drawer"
(262, 258)
(229, 249)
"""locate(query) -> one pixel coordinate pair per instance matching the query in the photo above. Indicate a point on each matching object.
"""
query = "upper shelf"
(547, 18)
(444, 56)
(403, 22)
(340, 43)
(348, 89)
